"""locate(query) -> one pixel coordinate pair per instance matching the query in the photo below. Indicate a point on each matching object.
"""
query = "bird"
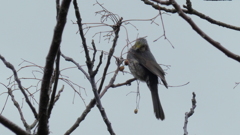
(145, 68)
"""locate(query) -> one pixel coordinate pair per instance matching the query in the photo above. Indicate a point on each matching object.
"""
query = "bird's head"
(141, 45)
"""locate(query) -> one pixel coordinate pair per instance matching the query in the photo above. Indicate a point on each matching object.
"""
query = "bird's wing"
(148, 61)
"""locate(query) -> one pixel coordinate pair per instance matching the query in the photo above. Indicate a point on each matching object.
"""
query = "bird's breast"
(137, 70)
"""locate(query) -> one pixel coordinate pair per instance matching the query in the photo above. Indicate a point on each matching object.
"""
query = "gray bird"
(144, 67)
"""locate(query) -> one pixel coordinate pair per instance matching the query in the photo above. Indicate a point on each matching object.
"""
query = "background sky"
(26, 30)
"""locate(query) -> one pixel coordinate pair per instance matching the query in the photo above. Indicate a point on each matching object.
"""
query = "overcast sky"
(26, 30)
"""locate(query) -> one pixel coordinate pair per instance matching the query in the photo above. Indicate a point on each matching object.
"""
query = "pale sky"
(26, 29)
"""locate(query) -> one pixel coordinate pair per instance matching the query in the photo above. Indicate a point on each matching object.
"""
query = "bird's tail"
(158, 110)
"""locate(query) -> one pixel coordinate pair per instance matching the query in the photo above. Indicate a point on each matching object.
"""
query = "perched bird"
(144, 67)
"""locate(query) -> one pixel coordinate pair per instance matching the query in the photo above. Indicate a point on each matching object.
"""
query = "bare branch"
(57, 7)
(54, 48)
(194, 12)
(10, 66)
(209, 19)
(128, 82)
(99, 64)
(34, 124)
(82, 117)
(116, 29)
(94, 51)
(112, 80)
(90, 66)
(100, 107)
(190, 113)
(58, 95)
(189, 6)
(13, 127)
(204, 35)
(79, 22)
(18, 108)
(92, 104)
(167, 2)
(78, 66)
(56, 78)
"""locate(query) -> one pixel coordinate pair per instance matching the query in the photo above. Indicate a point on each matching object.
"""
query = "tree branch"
(128, 82)
(116, 29)
(100, 107)
(167, 2)
(193, 12)
(58, 95)
(44, 97)
(82, 117)
(10, 66)
(92, 104)
(13, 127)
(112, 80)
(204, 35)
(18, 108)
(90, 70)
(99, 64)
(78, 66)
(190, 113)
(79, 22)
(50, 107)
(94, 51)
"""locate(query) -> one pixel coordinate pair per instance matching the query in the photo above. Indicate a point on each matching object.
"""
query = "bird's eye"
(142, 48)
